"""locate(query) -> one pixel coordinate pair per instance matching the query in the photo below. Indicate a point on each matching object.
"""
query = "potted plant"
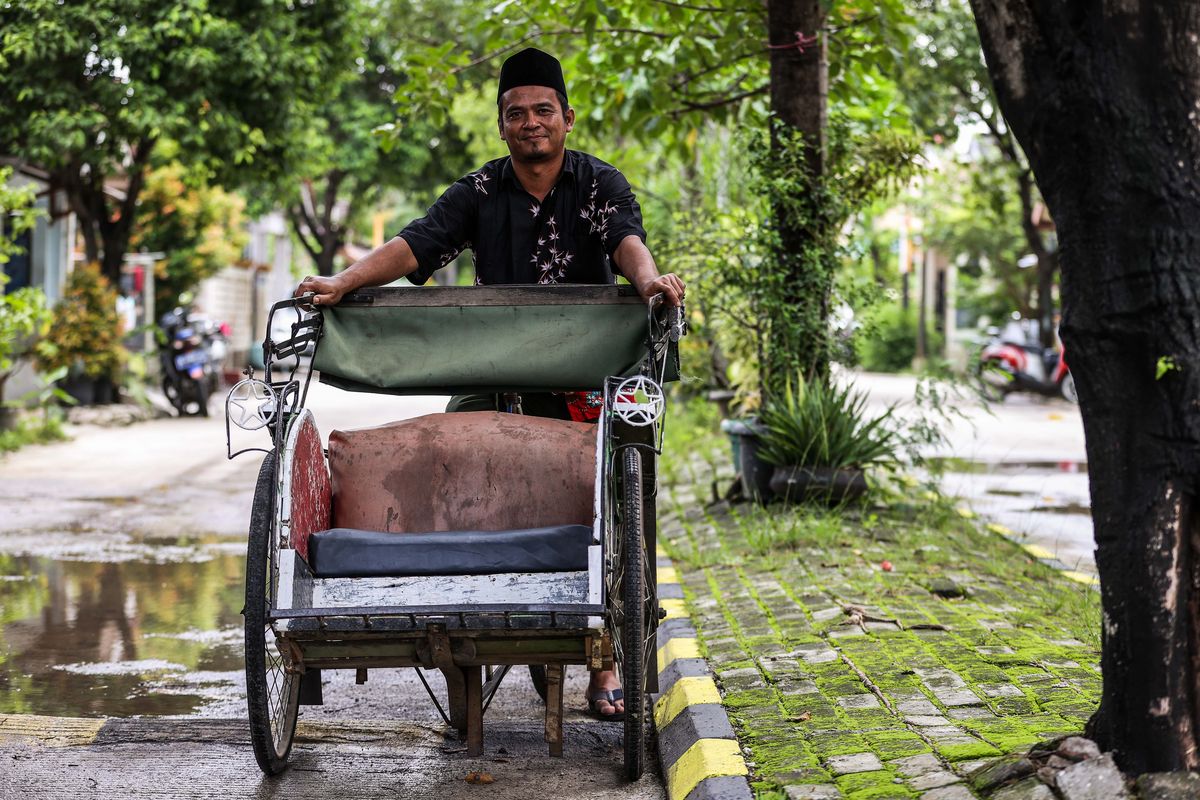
(85, 338)
(821, 440)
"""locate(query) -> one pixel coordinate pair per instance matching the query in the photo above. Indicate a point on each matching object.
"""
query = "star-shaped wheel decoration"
(250, 404)
(638, 401)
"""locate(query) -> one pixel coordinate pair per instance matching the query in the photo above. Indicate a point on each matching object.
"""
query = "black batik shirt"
(566, 238)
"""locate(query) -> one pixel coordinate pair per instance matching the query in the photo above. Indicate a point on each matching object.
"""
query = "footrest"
(349, 553)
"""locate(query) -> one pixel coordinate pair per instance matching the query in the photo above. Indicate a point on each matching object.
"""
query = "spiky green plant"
(818, 424)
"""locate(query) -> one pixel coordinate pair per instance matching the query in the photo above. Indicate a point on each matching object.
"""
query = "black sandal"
(609, 695)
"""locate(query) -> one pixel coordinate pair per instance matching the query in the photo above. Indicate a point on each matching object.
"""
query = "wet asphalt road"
(121, 559)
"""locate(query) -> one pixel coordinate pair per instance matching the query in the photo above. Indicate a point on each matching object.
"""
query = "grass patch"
(32, 430)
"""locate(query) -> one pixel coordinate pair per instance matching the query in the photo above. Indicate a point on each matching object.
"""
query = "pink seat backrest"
(464, 471)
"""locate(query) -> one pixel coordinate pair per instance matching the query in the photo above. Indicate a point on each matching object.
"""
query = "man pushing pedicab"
(541, 215)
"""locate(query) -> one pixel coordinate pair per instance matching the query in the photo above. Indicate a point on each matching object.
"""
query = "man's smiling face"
(533, 124)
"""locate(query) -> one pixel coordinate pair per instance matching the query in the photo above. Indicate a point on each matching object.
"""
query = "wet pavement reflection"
(122, 637)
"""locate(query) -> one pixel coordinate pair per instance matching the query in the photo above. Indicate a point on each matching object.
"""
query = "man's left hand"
(670, 285)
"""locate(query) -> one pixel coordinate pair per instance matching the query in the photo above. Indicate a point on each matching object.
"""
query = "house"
(46, 258)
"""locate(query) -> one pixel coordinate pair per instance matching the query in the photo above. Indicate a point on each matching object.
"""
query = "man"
(544, 214)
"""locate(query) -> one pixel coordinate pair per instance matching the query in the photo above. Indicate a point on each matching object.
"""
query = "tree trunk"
(799, 76)
(1104, 100)
(313, 220)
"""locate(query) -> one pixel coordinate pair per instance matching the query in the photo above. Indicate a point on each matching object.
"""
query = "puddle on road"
(120, 637)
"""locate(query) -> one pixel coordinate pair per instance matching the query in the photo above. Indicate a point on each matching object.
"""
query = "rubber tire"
(272, 742)
(202, 392)
(633, 627)
(171, 392)
(1069, 393)
(537, 674)
(990, 391)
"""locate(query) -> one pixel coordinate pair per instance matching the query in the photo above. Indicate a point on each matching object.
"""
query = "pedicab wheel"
(634, 624)
(272, 693)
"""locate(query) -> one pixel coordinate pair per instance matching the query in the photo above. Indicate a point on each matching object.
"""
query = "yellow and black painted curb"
(700, 756)
(1036, 551)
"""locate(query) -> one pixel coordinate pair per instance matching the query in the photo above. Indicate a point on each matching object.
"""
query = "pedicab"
(464, 543)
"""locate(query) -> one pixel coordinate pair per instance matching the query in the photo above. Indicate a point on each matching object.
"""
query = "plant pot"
(89, 391)
(833, 486)
(755, 473)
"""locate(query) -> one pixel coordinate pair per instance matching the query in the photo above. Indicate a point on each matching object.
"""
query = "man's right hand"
(327, 291)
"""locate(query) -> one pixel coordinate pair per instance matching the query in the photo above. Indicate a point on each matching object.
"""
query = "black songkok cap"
(531, 67)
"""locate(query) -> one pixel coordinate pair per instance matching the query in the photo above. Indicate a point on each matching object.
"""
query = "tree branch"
(294, 216)
(560, 32)
(724, 101)
(714, 9)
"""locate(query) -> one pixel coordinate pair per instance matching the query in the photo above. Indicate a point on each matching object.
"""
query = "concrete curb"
(1036, 551)
(699, 751)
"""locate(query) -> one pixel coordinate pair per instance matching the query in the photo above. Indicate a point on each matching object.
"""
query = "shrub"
(820, 425)
(85, 335)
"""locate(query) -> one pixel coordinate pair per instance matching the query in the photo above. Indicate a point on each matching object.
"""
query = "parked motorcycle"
(1008, 366)
(190, 359)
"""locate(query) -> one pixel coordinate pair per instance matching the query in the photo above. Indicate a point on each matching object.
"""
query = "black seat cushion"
(348, 553)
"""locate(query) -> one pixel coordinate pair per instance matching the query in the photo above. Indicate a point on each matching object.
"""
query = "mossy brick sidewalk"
(846, 679)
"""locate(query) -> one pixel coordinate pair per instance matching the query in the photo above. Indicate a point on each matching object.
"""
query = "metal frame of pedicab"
(289, 639)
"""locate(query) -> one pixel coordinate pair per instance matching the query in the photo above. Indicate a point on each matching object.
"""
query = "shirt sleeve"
(445, 231)
(611, 212)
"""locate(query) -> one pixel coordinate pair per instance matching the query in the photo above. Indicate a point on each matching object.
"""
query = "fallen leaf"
(805, 717)
(480, 778)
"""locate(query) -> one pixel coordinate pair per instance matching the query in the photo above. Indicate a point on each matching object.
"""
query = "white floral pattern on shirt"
(480, 179)
(550, 261)
(597, 218)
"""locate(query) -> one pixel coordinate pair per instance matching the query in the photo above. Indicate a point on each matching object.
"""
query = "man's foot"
(604, 697)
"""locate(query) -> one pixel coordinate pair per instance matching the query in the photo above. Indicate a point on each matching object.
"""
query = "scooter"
(1006, 367)
(190, 359)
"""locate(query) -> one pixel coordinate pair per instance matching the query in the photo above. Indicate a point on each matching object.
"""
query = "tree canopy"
(90, 89)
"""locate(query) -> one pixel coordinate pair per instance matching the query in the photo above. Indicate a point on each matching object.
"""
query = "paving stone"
(939, 678)
(854, 763)
(825, 614)
(792, 686)
(915, 766)
(956, 697)
(932, 780)
(741, 679)
(847, 632)
(970, 712)
(859, 701)
(1028, 789)
(994, 651)
(927, 721)
(1001, 690)
(955, 792)
(812, 791)
(920, 707)
(816, 653)
(1094, 779)
(948, 735)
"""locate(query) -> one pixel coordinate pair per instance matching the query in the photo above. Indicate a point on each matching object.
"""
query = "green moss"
(966, 751)
(876, 785)
(893, 744)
